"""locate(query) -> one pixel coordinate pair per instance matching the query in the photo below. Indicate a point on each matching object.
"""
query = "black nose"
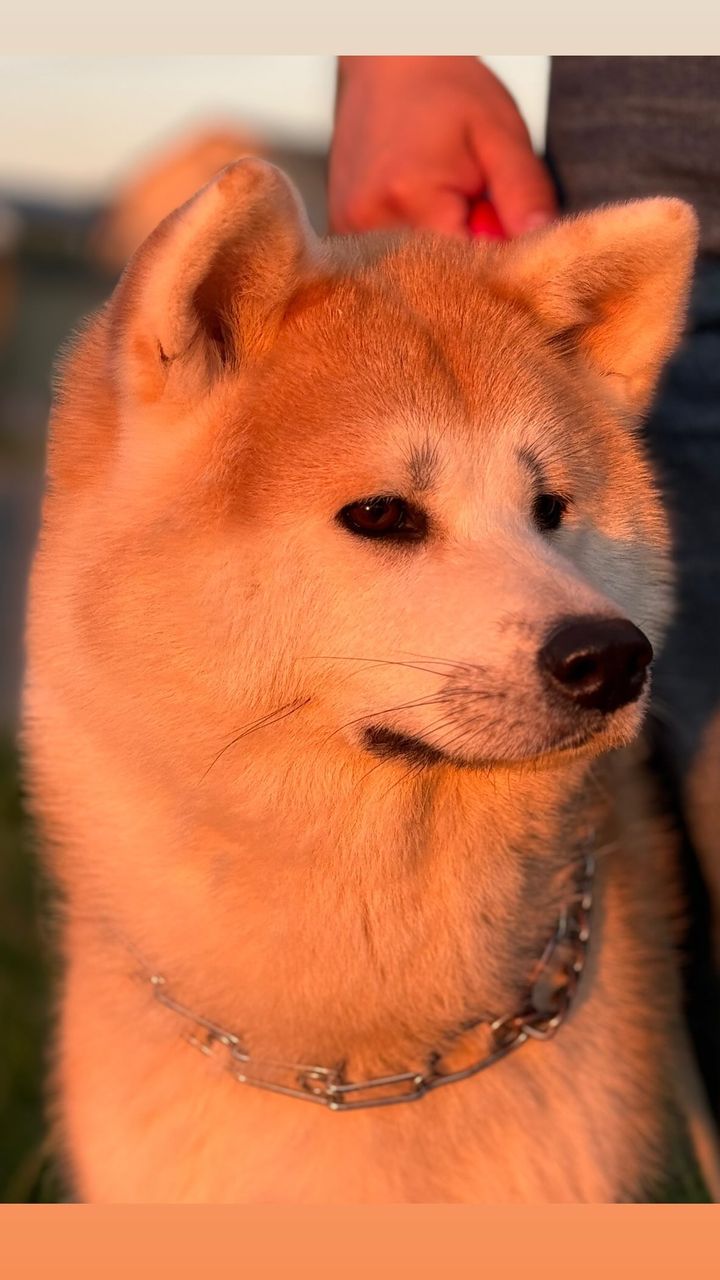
(598, 663)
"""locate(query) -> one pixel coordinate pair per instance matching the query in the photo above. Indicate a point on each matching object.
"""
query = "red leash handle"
(483, 221)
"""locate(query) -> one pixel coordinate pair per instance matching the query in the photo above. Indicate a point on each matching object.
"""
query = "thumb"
(519, 184)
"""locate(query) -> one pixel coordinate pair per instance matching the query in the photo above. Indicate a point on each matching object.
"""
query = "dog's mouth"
(388, 744)
(411, 749)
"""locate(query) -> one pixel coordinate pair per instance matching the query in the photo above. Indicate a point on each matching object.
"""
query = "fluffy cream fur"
(206, 645)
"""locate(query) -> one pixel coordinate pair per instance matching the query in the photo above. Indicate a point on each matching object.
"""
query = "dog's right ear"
(207, 289)
(611, 286)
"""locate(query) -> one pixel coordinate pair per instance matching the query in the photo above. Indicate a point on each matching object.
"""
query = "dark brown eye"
(390, 518)
(548, 511)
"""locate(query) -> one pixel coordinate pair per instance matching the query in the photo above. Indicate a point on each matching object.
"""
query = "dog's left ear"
(612, 285)
(206, 291)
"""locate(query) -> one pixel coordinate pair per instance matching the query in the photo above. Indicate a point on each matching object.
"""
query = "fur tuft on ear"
(612, 285)
(206, 290)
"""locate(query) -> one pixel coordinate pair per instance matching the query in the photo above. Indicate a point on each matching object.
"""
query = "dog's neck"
(322, 924)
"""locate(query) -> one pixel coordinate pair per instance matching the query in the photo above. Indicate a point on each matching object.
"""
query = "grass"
(26, 1168)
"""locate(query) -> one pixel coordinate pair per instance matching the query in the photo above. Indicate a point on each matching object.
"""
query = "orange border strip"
(584, 1242)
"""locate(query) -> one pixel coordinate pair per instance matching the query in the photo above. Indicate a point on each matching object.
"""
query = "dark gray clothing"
(684, 438)
(620, 128)
(683, 434)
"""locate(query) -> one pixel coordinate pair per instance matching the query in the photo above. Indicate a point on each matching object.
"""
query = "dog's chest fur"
(583, 1117)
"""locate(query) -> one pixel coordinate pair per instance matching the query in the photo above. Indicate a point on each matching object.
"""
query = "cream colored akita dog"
(350, 569)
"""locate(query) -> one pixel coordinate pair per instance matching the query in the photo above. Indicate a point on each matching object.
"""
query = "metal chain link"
(550, 993)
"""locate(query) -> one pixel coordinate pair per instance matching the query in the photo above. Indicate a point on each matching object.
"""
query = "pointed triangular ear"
(206, 291)
(612, 285)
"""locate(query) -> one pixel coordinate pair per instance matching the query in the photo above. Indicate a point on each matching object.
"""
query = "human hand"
(418, 141)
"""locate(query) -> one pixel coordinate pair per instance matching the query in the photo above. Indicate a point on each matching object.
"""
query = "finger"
(353, 207)
(419, 206)
(446, 212)
(519, 184)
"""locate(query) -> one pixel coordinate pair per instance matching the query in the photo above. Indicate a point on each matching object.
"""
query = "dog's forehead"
(418, 334)
(358, 407)
(411, 351)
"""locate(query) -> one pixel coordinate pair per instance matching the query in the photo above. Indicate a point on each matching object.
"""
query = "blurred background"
(94, 152)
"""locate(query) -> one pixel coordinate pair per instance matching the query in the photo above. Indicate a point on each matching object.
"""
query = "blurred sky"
(70, 126)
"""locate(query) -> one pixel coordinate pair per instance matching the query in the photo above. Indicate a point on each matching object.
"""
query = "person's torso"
(626, 127)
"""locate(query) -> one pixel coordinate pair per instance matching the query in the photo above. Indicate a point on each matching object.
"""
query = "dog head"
(388, 492)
